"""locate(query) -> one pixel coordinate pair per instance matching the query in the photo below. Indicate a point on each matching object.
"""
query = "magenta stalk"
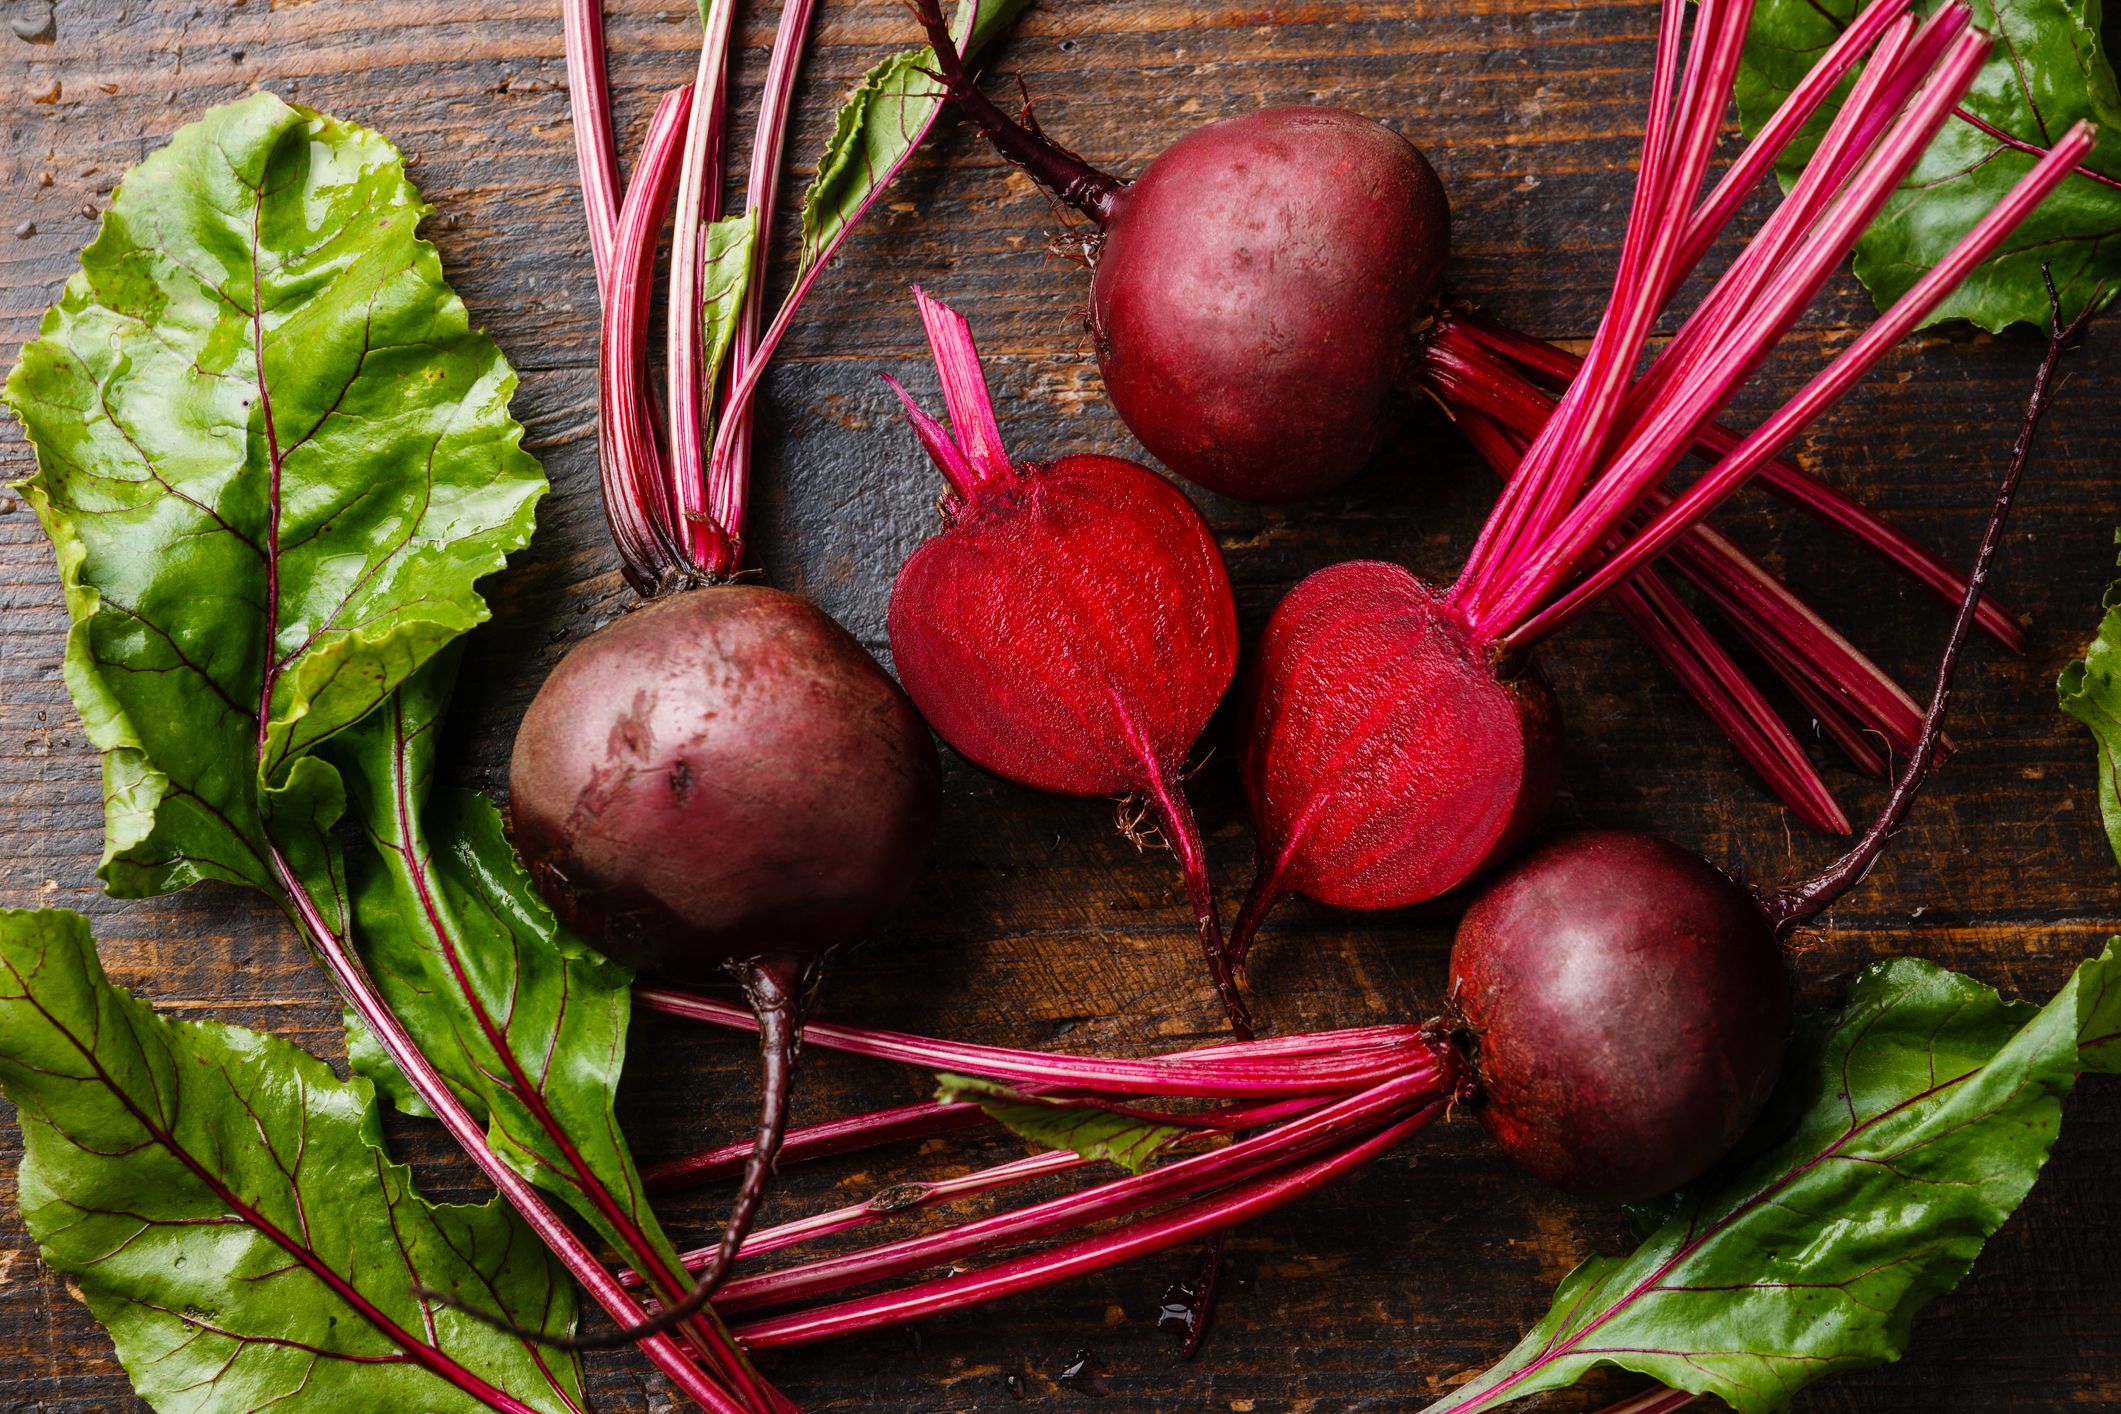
(1141, 1238)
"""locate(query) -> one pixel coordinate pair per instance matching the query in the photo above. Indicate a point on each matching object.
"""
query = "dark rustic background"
(1036, 923)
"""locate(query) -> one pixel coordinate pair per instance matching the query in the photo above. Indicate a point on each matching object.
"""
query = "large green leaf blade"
(161, 1157)
(273, 458)
(526, 1022)
(1915, 1121)
(2048, 69)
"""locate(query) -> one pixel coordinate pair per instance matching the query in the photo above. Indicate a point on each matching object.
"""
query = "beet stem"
(1799, 905)
(698, 201)
(1060, 171)
(1201, 1312)
(1317, 1129)
(1135, 1239)
(819, 1141)
(1275, 1067)
(907, 1197)
(1555, 368)
(1183, 834)
(1831, 382)
(1664, 433)
(629, 466)
(589, 103)
(729, 468)
(777, 988)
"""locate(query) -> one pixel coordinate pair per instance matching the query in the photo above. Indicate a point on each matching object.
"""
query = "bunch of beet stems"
(1585, 509)
(1268, 1122)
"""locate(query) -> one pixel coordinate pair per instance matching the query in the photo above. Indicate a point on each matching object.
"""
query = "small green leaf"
(1086, 1127)
(273, 457)
(2048, 69)
(1916, 1121)
(727, 252)
(225, 1207)
(880, 124)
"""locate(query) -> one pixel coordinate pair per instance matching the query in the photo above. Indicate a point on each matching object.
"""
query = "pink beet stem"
(905, 1197)
(1833, 381)
(706, 547)
(1321, 1128)
(1668, 428)
(729, 468)
(636, 496)
(1708, 673)
(1317, 1063)
(1555, 367)
(1125, 1243)
(589, 103)
(819, 1141)
(977, 435)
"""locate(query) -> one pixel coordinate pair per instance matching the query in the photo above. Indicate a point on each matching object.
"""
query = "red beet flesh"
(1626, 1007)
(1256, 292)
(1072, 630)
(1386, 759)
(720, 775)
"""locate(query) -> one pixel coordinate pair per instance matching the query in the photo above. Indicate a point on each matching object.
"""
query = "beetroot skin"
(1072, 630)
(1385, 759)
(1626, 1007)
(1256, 294)
(722, 774)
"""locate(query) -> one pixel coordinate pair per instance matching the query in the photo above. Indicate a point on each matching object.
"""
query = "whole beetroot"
(721, 775)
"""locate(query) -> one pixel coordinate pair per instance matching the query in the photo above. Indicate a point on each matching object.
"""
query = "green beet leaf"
(2090, 691)
(273, 456)
(1084, 1127)
(880, 124)
(2048, 69)
(1911, 1125)
(224, 1205)
(526, 1022)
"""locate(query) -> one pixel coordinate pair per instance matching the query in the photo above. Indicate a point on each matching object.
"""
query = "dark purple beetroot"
(1626, 1007)
(719, 775)
(1256, 294)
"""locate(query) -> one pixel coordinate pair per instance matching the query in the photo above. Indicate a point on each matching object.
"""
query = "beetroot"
(719, 776)
(722, 785)
(1036, 632)
(1626, 1006)
(1366, 688)
(1333, 222)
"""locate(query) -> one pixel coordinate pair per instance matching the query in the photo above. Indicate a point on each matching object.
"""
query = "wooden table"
(1037, 924)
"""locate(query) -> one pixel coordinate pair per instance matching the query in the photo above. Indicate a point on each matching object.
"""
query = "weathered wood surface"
(1036, 923)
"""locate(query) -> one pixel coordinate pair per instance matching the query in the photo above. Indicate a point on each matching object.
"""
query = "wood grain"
(1036, 923)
